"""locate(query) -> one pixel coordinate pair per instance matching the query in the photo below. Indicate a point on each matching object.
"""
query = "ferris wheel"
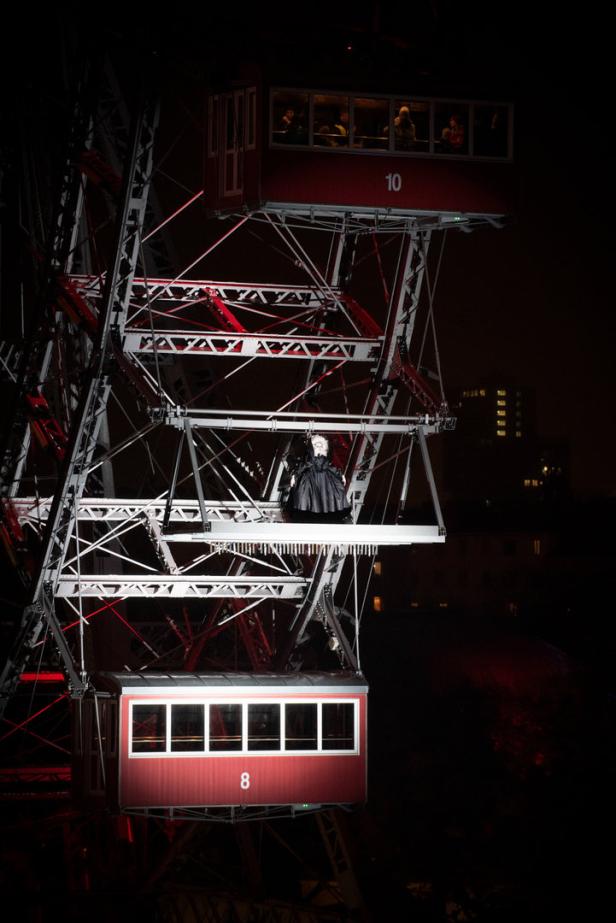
(198, 325)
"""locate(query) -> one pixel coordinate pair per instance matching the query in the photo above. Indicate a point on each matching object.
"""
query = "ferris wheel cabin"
(309, 149)
(197, 744)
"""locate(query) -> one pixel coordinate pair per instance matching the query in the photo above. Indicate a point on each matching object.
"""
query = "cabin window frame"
(468, 105)
(244, 701)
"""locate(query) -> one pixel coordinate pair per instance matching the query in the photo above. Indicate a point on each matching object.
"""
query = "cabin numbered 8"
(280, 148)
(224, 744)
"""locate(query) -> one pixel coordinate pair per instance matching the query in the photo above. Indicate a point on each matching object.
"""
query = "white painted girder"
(236, 345)
(300, 422)
(95, 509)
(180, 586)
(187, 290)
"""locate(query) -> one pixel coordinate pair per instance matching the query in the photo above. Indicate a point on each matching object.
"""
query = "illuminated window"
(501, 413)
(501, 403)
(377, 568)
(536, 546)
(377, 603)
(443, 605)
(501, 432)
(414, 605)
(501, 393)
(518, 433)
(370, 121)
(482, 392)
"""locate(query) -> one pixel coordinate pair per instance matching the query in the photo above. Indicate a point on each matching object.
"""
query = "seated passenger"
(291, 129)
(452, 136)
(341, 127)
(287, 120)
(323, 136)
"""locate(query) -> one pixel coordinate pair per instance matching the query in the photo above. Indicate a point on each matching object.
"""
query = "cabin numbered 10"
(173, 745)
(280, 148)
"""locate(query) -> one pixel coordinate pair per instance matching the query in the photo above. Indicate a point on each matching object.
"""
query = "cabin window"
(371, 123)
(451, 128)
(387, 124)
(187, 731)
(411, 125)
(149, 729)
(175, 728)
(491, 131)
(264, 726)
(289, 117)
(338, 726)
(225, 727)
(331, 125)
(301, 726)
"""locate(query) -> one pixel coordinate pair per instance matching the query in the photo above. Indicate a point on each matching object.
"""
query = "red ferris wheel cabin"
(287, 148)
(181, 744)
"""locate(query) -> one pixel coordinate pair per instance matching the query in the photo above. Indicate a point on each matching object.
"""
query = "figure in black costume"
(318, 487)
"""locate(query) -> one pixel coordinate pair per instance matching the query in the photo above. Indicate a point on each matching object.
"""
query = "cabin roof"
(150, 680)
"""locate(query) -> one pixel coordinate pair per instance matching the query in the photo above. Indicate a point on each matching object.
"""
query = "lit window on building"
(482, 392)
(414, 605)
(501, 413)
(443, 605)
(536, 546)
(377, 568)
(501, 432)
(518, 433)
(377, 603)
(501, 403)
(501, 392)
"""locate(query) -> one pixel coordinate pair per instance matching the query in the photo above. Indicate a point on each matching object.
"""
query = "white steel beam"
(180, 586)
(196, 290)
(283, 422)
(236, 345)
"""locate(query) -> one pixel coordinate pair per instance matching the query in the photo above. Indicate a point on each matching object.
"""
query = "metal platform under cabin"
(307, 537)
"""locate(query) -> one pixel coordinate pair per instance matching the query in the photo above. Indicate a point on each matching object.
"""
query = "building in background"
(495, 453)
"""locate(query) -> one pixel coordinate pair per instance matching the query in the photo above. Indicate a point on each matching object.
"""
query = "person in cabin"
(452, 136)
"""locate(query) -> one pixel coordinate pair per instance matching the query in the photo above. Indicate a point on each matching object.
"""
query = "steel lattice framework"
(150, 406)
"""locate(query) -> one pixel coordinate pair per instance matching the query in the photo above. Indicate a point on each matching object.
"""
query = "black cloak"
(318, 488)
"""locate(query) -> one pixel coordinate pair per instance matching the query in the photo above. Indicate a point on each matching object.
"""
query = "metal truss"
(198, 562)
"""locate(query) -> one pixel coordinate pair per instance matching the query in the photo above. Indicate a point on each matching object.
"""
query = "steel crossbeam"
(180, 586)
(302, 422)
(238, 294)
(94, 509)
(236, 345)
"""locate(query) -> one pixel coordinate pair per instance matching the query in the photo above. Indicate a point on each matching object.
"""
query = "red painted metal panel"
(336, 178)
(243, 779)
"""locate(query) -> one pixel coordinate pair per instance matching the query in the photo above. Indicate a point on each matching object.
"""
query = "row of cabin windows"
(229, 727)
(391, 124)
